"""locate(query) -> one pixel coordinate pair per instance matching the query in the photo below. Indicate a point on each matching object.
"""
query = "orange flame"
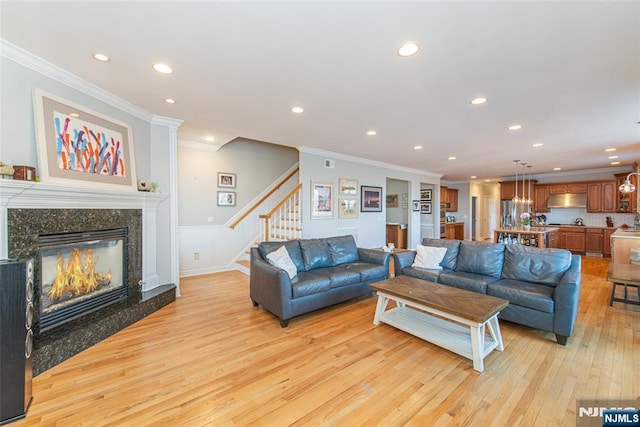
(78, 276)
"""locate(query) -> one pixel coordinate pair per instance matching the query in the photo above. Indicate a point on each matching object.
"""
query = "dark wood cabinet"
(570, 238)
(594, 240)
(554, 239)
(541, 199)
(606, 240)
(454, 230)
(507, 190)
(601, 196)
(626, 202)
(452, 200)
(571, 187)
(397, 235)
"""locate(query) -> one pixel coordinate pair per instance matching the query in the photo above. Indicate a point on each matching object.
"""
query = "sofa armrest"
(566, 298)
(402, 260)
(270, 286)
(374, 256)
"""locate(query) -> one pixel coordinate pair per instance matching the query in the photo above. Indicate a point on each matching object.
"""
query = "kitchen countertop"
(629, 233)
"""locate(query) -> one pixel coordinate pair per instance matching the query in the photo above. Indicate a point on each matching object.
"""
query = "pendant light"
(628, 187)
(529, 199)
(515, 199)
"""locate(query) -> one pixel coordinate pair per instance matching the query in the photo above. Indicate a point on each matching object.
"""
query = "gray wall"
(400, 214)
(256, 165)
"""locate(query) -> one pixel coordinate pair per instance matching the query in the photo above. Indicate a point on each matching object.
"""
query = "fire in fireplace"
(80, 273)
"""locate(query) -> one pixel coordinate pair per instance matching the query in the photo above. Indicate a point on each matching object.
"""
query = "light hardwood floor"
(211, 358)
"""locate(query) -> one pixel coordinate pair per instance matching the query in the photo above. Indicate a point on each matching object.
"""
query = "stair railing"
(284, 221)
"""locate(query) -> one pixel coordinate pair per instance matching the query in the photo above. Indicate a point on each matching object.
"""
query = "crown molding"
(29, 60)
(166, 121)
(198, 145)
(375, 163)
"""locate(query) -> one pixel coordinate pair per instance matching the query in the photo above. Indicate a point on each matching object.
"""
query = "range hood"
(567, 201)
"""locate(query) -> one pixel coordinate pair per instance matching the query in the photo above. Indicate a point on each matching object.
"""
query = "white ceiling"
(568, 72)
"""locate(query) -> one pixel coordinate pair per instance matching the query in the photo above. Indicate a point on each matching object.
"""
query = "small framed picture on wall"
(226, 198)
(226, 179)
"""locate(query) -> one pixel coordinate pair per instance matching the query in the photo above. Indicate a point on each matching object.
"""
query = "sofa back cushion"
(453, 248)
(534, 264)
(481, 258)
(293, 248)
(315, 253)
(343, 249)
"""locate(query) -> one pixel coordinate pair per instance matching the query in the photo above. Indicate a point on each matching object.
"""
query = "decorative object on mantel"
(144, 185)
(24, 173)
(80, 145)
(6, 170)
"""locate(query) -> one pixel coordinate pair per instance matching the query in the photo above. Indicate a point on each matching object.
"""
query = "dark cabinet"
(594, 241)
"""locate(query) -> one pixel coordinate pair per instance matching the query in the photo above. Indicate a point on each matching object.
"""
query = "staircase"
(283, 222)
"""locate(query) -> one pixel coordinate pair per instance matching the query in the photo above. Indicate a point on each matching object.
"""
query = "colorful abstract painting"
(86, 147)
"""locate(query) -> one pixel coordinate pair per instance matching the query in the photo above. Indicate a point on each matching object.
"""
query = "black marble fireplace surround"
(55, 345)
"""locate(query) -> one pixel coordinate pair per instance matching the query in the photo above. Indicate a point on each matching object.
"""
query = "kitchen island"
(622, 241)
(535, 236)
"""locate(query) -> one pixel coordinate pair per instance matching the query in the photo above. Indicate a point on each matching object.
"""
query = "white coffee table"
(452, 318)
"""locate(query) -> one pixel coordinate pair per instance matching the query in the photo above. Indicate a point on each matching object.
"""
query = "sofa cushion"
(280, 258)
(429, 257)
(535, 264)
(370, 272)
(481, 258)
(525, 294)
(469, 281)
(340, 275)
(293, 248)
(306, 283)
(342, 249)
(453, 247)
(315, 253)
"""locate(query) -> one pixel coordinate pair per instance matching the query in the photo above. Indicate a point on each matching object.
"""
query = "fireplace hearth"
(80, 273)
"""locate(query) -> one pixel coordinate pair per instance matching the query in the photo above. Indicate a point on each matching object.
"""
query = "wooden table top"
(624, 273)
(458, 302)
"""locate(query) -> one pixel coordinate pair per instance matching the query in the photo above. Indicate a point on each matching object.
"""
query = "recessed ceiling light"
(74, 114)
(473, 177)
(408, 49)
(371, 132)
(608, 150)
(613, 157)
(210, 138)
(452, 158)
(615, 163)
(417, 147)
(100, 57)
(487, 180)
(478, 101)
(537, 144)
(557, 169)
(515, 127)
(297, 110)
(170, 101)
(162, 68)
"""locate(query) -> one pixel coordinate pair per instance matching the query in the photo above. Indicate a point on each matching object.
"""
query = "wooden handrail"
(282, 202)
(263, 198)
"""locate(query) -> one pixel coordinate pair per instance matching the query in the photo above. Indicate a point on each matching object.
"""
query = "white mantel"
(37, 195)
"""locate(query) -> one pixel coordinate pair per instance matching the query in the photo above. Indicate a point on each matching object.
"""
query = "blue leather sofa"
(329, 271)
(542, 285)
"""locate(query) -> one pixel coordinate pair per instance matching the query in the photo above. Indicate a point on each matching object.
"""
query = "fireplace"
(80, 273)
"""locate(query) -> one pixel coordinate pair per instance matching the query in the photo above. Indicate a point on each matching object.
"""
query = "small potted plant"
(526, 220)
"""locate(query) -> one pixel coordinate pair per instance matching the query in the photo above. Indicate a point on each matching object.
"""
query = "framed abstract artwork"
(226, 180)
(321, 200)
(80, 145)
(226, 198)
(348, 208)
(348, 187)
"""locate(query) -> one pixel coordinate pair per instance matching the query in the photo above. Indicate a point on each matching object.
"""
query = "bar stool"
(627, 275)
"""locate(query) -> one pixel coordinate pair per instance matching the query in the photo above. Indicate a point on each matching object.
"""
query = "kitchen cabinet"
(397, 234)
(554, 239)
(606, 241)
(570, 238)
(455, 230)
(452, 200)
(626, 202)
(541, 199)
(571, 187)
(594, 240)
(601, 196)
(443, 194)
(507, 190)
